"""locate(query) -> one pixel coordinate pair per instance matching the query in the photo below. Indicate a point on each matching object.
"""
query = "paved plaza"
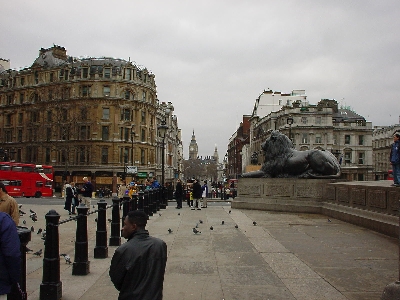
(283, 256)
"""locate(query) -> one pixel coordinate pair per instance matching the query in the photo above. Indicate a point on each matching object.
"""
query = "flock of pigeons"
(196, 231)
(33, 217)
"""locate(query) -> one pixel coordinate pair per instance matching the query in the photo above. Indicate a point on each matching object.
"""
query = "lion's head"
(276, 145)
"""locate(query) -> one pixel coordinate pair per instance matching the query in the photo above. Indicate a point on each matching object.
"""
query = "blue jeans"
(396, 173)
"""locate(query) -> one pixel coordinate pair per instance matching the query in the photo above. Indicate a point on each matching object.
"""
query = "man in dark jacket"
(197, 192)
(10, 254)
(138, 266)
(395, 159)
(87, 192)
(178, 193)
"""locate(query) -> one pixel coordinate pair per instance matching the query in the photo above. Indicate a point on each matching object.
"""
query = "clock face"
(191, 148)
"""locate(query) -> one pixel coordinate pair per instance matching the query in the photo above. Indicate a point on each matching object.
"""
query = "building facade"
(91, 117)
(323, 126)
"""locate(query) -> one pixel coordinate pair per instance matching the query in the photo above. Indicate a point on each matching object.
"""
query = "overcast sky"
(213, 58)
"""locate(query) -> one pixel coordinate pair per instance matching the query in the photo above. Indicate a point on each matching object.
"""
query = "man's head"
(134, 220)
(2, 189)
(85, 179)
(396, 136)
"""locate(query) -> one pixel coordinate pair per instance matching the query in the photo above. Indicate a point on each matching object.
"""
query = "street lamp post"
(290, 122)
(162, 129)
(132, 137)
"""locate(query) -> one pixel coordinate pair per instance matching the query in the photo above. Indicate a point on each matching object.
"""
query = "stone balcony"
(370, 204)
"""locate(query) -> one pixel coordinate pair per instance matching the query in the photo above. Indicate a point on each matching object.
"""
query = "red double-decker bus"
(27, 180)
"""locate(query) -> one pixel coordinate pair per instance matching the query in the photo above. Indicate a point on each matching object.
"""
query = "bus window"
(27, 169)
(47, 170)
(39, 184)
(17, 169)
(5, 167)
(49, 183)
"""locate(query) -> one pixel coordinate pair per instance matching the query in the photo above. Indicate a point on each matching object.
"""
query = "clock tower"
(193, 149)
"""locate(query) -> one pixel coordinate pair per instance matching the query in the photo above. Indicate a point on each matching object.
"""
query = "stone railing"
(371, 204)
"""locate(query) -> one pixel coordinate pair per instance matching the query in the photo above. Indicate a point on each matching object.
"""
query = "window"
(49, 116)
(66, 74)
(144, 96)
(125, 114)
(84, 132)
(85, 91)
(127, 95)
(347, 139)
(8, 120)
(143, 135)
(106, 91)
(142, 157)
(361, 157)
(361, 140)
(85, 72)
(19, 137)
(104, 155)
(48, 133)
(64, 115)
(347, 157)
(22, 81)
(107, 72)
(51, 77)
(34, 116)
(318, 139)
(47, 155)
(106, 114)
(20, 118)
(61, 74)
(123, 155)
(9, 99)
(21, 97)
(304, 120)
(128, 74)
(318, 120)
(8, 135)
(36, 74)
(304, 139)
(143, 117)
(84, 113)
(82, 155)
(125, 132)
(105, 133)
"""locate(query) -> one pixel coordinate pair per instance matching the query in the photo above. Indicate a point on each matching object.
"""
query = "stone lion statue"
(282, 160)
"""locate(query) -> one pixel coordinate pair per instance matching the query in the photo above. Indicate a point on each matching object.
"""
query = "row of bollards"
(148, 201)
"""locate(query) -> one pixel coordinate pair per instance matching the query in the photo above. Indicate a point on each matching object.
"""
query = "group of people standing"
(71, 195)
(198, 194)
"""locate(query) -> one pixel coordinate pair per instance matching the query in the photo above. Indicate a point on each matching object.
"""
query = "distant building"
(87, 117)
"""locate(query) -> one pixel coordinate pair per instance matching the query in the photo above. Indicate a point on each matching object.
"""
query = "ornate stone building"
(323, 126)
(87, 117)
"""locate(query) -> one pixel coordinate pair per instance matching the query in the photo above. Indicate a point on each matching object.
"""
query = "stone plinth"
(371, 204)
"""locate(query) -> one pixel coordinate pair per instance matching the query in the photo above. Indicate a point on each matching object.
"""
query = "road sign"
(131, 169)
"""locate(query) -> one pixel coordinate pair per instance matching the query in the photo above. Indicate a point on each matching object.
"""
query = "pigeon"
(230, 211)
(201, 221)
(195, 231)
(197, 225)
(211, 228)
(39, 231)
(67, 258)
(33, 217)
(32, 212)
(28, 250)
(32, 229)
(236, 226)
(159, 214)
(43, 236)
(179, 214)
(22, 213)
(38, 253)
(19, 206)
(110, 220)
(223, 222)
(95, 219)
(93, 206)
(24, 222)
(254, 223)
(329, 220)
(170, 230)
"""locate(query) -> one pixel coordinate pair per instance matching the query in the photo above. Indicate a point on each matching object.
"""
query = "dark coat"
(138, 267)
(179, 190)
(197, 192)
(10, 254)
(88, 189)
(395, 153)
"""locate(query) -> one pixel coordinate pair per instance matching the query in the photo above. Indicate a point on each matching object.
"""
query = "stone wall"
(371, 204)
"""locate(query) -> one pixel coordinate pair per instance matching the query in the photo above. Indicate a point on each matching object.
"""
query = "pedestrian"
(395, 159)
(138, 266)
(8, 204)
(75, 200)
(178, 194)
(87, 192)
(196, 194)
(155, 184)
(204, 189)
(10, 255)
(69, 195)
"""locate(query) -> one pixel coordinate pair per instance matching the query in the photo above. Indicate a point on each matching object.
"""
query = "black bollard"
(153, 197)
(125, 208)
(24, 235)
(158, 198)
(81, 265)
(163, 198)
(150, 201)
(101, 249)
(115, 238)
(51, 286)
(140, 201)
(134, 202)
(146, 202)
